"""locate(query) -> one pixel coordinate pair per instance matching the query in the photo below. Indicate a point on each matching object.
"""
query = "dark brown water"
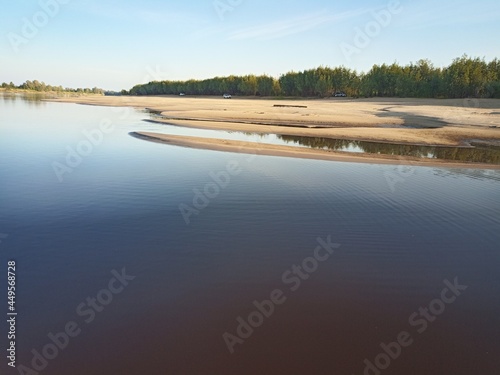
(402, 232)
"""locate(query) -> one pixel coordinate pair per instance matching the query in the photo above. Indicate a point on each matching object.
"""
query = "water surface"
(402, 231)
(476, 153)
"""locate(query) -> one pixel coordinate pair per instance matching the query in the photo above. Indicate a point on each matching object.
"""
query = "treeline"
(464, 77)
(249, 85)
(42, 87)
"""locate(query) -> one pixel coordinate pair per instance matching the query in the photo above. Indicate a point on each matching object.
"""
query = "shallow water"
(478, 154)
(402, 231)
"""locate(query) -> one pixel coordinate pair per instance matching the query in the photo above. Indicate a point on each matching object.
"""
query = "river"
(141, 258)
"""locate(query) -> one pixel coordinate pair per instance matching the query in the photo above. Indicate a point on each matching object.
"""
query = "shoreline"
(292, 131)
(418, 122)
(254, 148)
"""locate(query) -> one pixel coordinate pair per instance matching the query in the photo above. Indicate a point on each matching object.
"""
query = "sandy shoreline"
(254, 148)
(425, 122)
(418, 121)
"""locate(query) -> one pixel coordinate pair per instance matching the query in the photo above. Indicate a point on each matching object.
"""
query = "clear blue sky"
(116, 44)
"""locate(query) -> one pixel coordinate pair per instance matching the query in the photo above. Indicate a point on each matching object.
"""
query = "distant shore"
(427, 122)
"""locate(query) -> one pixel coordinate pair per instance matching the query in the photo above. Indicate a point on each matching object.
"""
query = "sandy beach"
(429, 122)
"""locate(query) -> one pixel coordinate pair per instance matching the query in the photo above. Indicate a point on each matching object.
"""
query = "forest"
(464, 77)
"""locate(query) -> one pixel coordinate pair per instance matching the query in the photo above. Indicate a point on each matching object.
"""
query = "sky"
(116, 44)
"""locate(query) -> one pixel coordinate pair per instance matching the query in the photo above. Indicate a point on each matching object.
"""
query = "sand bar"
(426, 122)
(298, 152)
(415, 121)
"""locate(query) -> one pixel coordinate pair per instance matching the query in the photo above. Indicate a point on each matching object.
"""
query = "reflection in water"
(478, 154)
(32, 98)
(250, 134)
(119, 210)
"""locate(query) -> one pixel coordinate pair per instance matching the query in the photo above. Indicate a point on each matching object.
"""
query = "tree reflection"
(478, 154)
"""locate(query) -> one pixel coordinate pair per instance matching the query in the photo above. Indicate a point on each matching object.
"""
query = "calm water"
(478, 154)
(402, 231)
